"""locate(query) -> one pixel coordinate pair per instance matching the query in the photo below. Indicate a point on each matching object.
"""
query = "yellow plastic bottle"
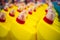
(27, 31)
(48, 30)
(21, 31)
(4, 25)
(24, 31)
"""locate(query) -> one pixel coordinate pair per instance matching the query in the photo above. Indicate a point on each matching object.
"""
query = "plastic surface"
(47, 31)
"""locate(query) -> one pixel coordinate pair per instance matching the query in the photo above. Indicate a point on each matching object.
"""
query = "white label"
(50, 15)
(23, 15)
(12, 11)
(2, 15)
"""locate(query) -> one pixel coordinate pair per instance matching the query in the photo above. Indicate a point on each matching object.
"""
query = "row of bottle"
(18, 26)
(20, 9)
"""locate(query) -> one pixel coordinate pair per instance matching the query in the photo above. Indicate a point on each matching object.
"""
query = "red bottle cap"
(21, 18)
(30, 12)
(20, 21)
(34, 10)
(12, 13)
(46, 11)
(18, 10)
(49, 18)
(6, 9)
(2, 20)
(2, 17)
